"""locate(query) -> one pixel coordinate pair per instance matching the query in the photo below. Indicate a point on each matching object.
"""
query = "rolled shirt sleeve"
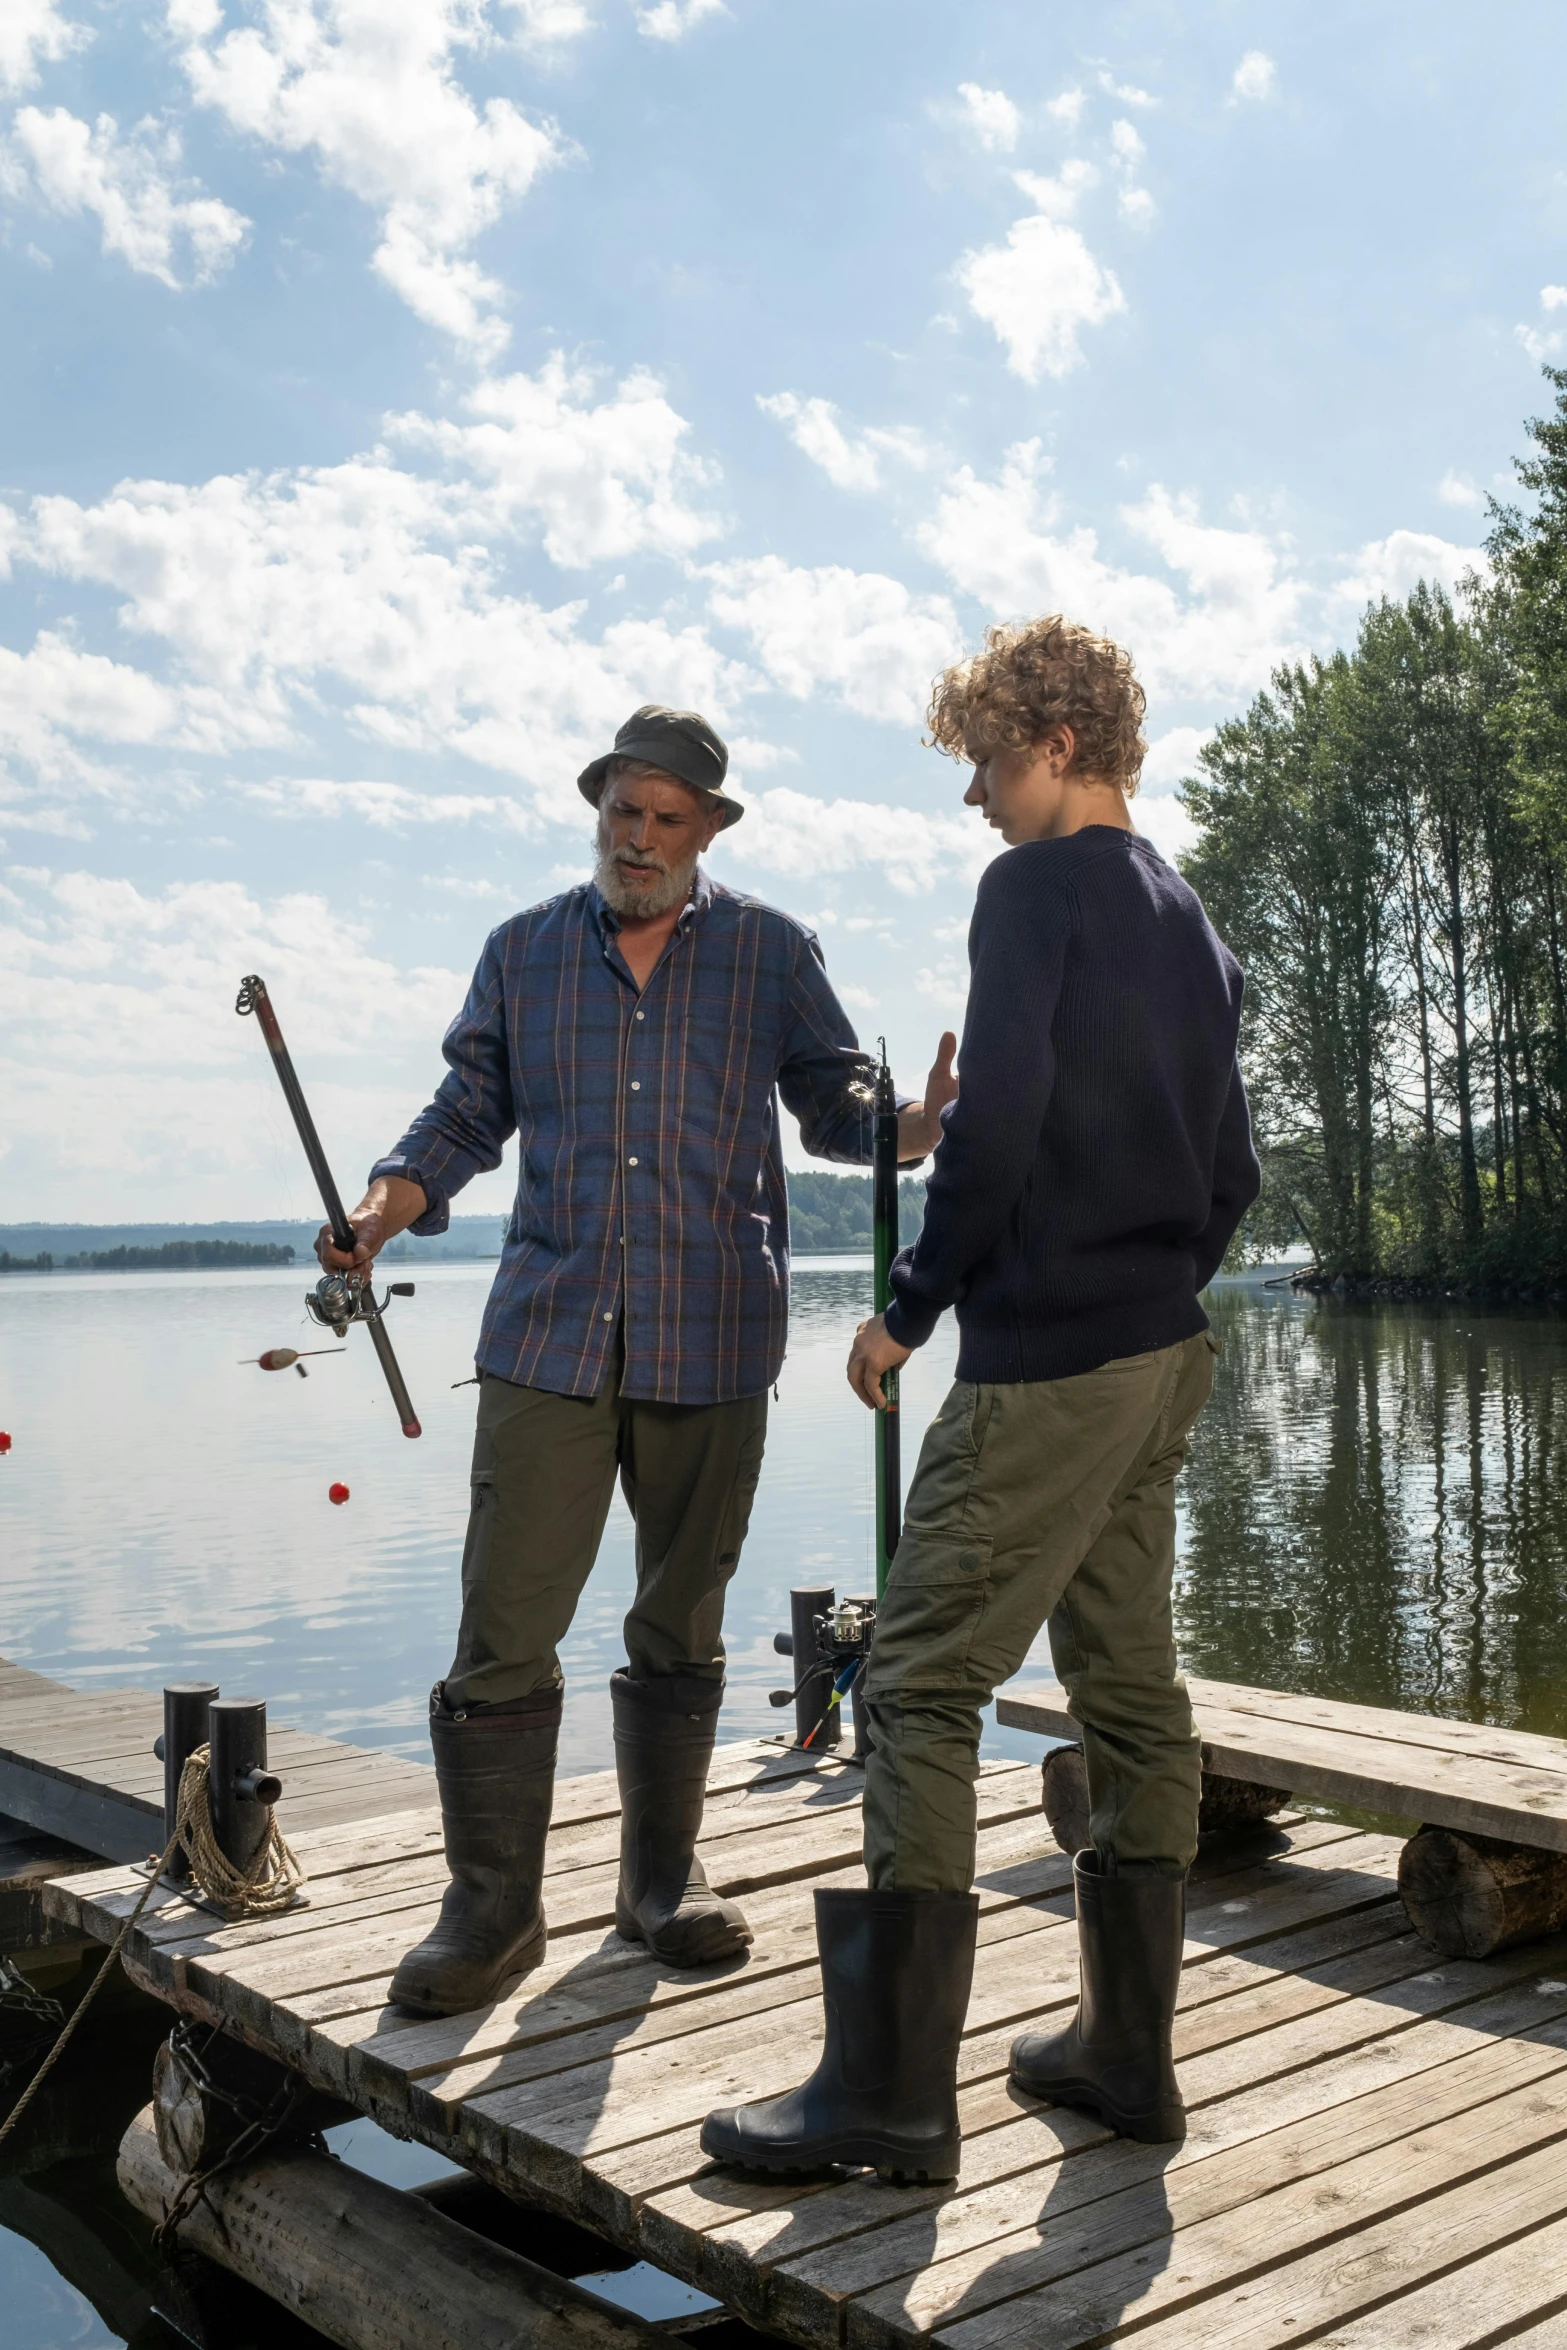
(467, 1126)
(824, 1079)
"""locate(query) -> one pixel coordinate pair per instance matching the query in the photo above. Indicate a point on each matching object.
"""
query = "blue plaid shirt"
(650, 1179)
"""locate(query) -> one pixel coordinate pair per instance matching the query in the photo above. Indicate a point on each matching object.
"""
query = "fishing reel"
(846, 1628)
(340, 1298)
(833, 1644)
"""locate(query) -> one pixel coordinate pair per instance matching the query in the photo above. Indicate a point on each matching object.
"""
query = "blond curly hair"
(1034, 677)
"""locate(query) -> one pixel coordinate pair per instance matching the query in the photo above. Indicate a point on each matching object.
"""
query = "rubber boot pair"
(495, 1769)
(896, 1971)
(1115, 2056)
(664, 1734)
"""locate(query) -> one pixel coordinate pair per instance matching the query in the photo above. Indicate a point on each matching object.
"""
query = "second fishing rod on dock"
(830, 1638)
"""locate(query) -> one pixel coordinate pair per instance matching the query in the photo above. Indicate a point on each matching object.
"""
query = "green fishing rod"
(884, 1229)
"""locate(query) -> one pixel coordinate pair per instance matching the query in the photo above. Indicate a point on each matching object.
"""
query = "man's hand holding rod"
(388, 1207)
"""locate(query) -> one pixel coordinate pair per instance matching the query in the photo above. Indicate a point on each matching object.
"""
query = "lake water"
(1375, 1508)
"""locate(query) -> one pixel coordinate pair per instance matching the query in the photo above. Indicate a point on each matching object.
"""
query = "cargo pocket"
(926, 1624)
(482, 1514)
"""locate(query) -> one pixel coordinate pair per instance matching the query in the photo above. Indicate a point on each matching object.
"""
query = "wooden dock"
(79, 1765)
(1378, 2146)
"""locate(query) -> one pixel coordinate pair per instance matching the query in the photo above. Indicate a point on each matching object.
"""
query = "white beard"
(624, 897)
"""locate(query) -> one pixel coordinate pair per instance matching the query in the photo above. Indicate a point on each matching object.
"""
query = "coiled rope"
(274, 1878)
(272, 1882)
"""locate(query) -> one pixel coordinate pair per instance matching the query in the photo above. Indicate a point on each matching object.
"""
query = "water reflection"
(1376, 1507)
(164, 1510)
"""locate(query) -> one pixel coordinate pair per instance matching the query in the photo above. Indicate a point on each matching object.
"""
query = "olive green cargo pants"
(544, 1470)
(1040, 1500)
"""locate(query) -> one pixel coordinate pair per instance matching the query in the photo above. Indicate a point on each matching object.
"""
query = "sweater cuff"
(910, 1324)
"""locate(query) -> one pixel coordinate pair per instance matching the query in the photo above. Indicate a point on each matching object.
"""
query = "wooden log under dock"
(367, 2265)
(1226, 1803)
(1468, 1896)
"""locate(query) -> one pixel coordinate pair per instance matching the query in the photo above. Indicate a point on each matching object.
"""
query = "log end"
(1470, 1896)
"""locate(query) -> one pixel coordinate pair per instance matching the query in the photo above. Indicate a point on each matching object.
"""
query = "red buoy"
(5, 1439)
(337, 1493)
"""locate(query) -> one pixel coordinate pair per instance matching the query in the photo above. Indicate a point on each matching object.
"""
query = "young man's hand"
(873, 1353)
(919, 1126)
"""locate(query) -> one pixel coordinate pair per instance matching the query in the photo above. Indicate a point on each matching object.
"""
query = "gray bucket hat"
(680, 742)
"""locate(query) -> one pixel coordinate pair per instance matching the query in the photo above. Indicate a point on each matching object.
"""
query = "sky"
(396, 393)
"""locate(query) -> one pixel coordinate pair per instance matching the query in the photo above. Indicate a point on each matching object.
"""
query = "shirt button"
(631, 1162)
(609, 1317)
(636, 1085)
(642, 1015)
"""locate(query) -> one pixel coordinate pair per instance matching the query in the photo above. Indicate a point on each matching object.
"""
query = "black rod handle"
(401, 1399)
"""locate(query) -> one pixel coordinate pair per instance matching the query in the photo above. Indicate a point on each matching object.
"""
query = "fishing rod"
(338, 1298)
(884, 1232)
(830, 1638)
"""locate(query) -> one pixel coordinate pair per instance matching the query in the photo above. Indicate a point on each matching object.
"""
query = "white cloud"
(1067, 109)
(128, 997)
(1043, 286)
(604, 481)
(1126, 145)
(368, 88)
(1058, 198)
(1233, 616)
(1166, 823)
(1543, 347)
(1225, 610)
(165, 228)
(546, 22)
(1127, 92)
(1456, 489)
(1172, 756)
(865, 638)
(1254, 78)
(34, 33)
(800, 838)
(373, 597)
(1394, 566)
(856, 464)
(992, 117)
(388, 807)
(671, 20)
(1134, 203)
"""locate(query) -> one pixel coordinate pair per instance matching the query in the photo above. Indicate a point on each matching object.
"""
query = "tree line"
(1382, 838)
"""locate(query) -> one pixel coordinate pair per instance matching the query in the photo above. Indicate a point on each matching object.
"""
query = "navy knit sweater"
(1098, 1158)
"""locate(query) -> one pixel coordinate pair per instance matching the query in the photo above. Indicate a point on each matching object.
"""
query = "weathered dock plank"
(1346, 2094)
(1509, 1784)
(79, 1764)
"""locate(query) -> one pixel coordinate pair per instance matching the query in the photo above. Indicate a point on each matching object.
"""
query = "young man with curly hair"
(1089, 1179)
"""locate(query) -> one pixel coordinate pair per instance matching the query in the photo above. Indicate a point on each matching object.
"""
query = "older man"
(636, 1032)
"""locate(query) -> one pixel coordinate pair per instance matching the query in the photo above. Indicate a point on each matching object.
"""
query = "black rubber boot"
(664, 1733)
(495, 1767)
(1115, 2056)
(896, 1971)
